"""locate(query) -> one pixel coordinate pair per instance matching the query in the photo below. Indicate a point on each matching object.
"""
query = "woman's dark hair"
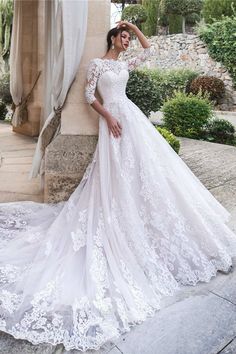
(114, 32)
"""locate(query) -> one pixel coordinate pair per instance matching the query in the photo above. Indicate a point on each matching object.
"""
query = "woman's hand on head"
(126, 24)
(114, 126)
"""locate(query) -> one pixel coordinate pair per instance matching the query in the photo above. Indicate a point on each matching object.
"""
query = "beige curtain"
(20, 112)
(67, 23)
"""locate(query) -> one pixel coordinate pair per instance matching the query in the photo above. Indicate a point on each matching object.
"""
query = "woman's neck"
(111, 54)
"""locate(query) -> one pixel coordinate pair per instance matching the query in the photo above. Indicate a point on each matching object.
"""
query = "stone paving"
(16, 152)
(197, 320)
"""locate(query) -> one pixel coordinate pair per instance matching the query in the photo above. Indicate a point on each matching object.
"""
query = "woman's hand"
(114, 126)
(130, 26)
(127, 25)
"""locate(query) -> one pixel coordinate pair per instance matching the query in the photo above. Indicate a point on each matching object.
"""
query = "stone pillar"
(69, 154)
(32, 58)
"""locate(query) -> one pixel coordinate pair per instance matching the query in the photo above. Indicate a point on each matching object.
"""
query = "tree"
(181, 7)
(124, 2)
(220, 8)
(150, 25)
(134, 13)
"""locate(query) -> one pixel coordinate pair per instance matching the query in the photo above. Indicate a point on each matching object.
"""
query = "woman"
(138, 226)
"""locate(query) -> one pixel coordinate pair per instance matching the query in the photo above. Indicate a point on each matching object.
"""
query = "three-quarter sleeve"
(133, 63)
(93, 73)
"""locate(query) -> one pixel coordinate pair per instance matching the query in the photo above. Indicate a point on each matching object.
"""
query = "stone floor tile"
(230, 348)
(9, 345)
(197, 325)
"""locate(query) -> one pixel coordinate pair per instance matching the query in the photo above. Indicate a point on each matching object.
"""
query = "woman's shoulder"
(94, 61)
(94, 65)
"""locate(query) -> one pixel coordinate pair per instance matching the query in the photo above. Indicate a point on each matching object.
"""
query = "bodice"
(113, 80)
(110, 76)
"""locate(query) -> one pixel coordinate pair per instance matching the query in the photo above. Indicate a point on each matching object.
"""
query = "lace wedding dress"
(138, 226)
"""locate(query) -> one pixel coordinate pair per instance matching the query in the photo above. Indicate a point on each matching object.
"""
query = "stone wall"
(188, 51)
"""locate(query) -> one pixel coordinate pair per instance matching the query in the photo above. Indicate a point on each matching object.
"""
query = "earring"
(112, 47)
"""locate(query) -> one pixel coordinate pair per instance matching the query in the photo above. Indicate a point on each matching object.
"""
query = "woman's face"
(122, 40)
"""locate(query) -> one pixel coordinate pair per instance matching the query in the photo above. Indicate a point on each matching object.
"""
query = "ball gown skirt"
(138, 226)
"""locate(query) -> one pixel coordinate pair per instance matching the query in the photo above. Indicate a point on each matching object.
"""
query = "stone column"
(32, 58)
(69, 154)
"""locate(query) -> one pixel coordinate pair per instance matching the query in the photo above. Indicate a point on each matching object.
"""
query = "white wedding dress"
(138, 226)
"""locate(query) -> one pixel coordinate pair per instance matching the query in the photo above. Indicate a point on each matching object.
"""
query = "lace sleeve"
(93, 73)
(133, 63)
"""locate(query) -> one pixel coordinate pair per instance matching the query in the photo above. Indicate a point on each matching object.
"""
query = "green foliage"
(183, 8)
(142, 91)
(6, 16)
(3, 110)
(123, 2)
(135, 14)
(210, 84)
(220, 131)
(170, 138)
(163, 20)
(169, 81)
(5, 94)
(221, 8)
(149, 88)
(220, 38)
(186, 115)
(149, 28)
(192, 19)
(175, 23)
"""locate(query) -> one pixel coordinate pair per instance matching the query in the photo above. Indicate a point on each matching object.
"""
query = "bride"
(138, 227)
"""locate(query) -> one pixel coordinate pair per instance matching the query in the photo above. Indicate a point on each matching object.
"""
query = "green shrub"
(221, 8)
(142, 91)
(175, 23)
(186, 115)
(6, 19)
(170, 138)
(3, 110)
(136, 14)
(149, 27)
(192, 19)
(210, 84)
(169, 81)
(149, 88)
(220, 131)
(5, 94)
(220, 38)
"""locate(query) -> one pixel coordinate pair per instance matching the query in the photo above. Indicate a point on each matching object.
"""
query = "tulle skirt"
(139, 225)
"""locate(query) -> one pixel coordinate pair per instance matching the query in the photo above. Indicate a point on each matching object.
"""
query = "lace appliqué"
(10, 301)
(79, 236)
(99, 66)
(133, 63)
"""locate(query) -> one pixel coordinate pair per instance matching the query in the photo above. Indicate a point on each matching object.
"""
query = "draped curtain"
(66, 27)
